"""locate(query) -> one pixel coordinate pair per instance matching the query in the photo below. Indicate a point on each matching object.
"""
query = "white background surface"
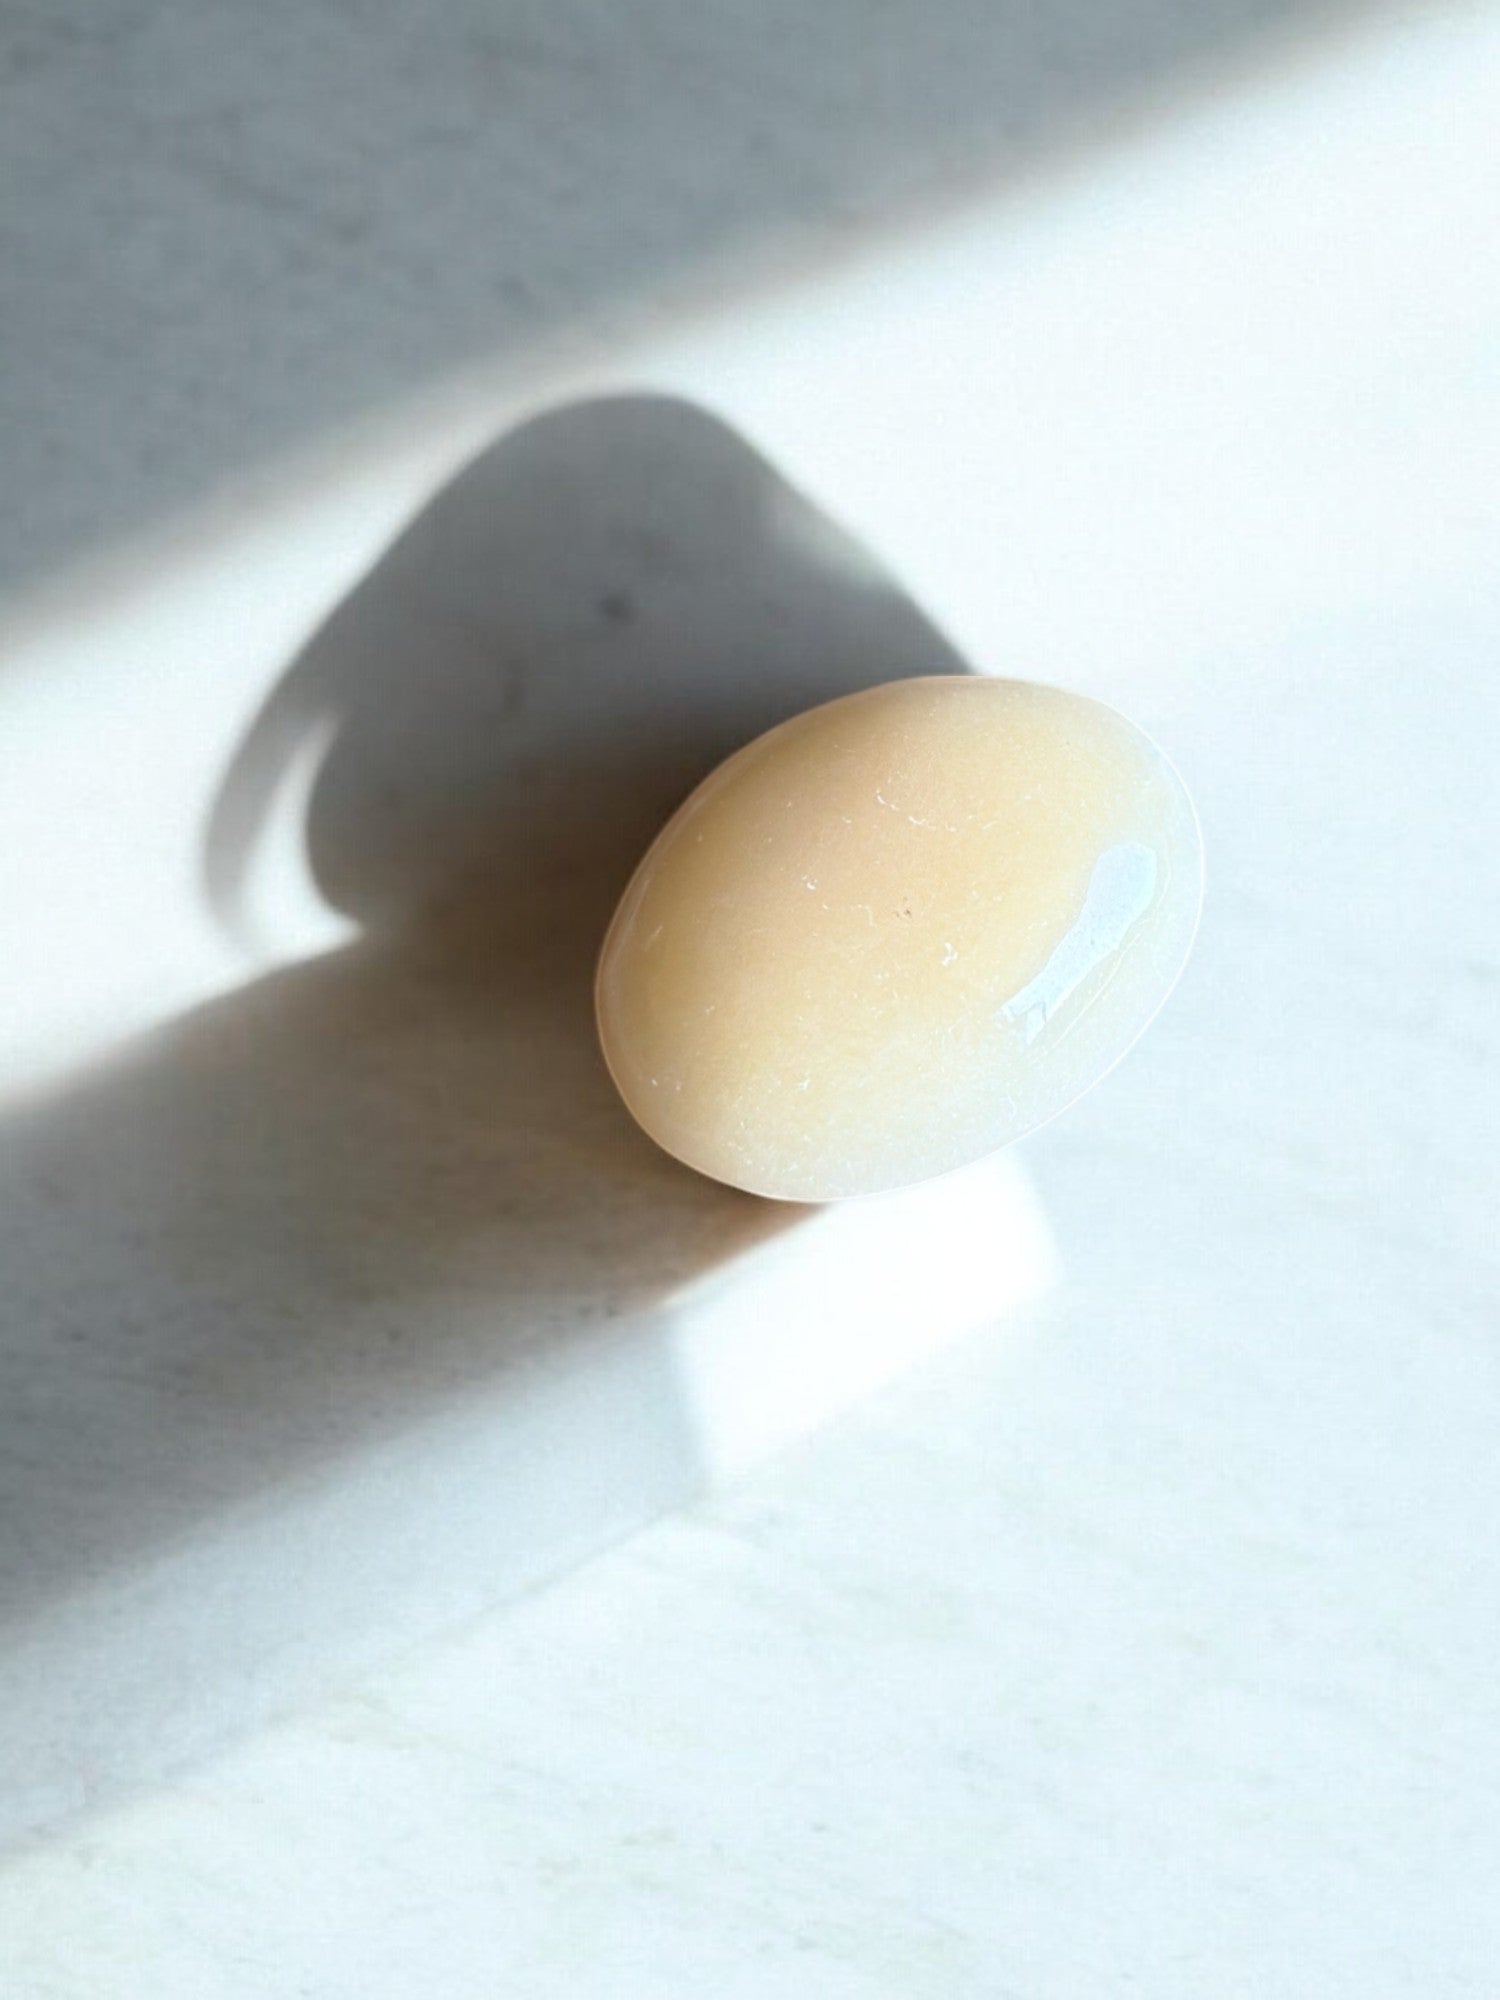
(1144, 1643)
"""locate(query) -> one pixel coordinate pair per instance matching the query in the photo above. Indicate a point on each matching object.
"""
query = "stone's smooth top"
(896, 932)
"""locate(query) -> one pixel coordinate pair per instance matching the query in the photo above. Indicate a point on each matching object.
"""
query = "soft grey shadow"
(228, 228)
(362, 1196)
(585, 621)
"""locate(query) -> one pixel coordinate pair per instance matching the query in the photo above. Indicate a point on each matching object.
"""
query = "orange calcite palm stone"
(896, 932)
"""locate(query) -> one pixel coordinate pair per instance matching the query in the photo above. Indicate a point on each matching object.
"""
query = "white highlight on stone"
(1119, 894)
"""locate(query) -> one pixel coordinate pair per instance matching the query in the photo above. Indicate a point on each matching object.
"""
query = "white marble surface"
(1145, 1642)
(344, 1299)
(228, 228)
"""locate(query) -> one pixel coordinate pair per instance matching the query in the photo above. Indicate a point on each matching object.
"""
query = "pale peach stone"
(896, 932)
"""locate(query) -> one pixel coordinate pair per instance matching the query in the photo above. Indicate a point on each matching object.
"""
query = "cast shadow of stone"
(372, 1192)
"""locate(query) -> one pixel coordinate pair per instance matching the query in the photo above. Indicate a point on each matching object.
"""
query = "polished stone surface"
(897, 932)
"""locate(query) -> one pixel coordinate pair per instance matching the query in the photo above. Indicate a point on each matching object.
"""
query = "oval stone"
(897, 932)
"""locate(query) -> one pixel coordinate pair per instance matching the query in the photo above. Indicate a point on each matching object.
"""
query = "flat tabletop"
(1138, 1638)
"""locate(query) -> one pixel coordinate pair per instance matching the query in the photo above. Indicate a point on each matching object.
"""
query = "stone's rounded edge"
(1164, 763)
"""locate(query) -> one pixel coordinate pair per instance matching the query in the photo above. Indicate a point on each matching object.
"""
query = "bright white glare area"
(1227, 380)
(117, 718)
(773, 1345)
